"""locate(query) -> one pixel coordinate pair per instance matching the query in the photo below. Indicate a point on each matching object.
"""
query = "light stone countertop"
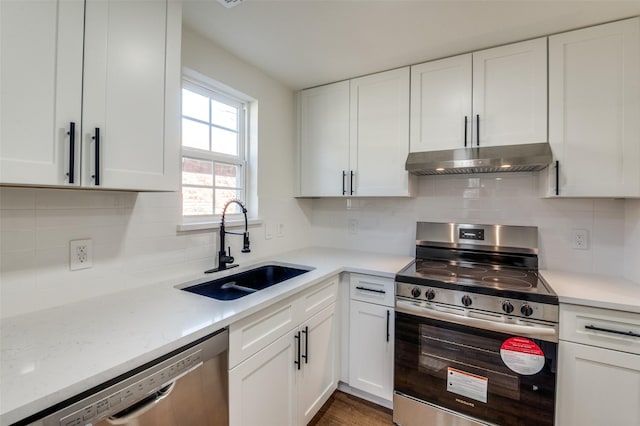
(599, 291)
(49, 356)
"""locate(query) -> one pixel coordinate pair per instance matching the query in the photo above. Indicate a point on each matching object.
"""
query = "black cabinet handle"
(297, 338)
(351, 183)
(466, 119)
(306, 345)
(606, 330)
(477, 129)
(557, 177)
(373, 290)
(388, 314)
(72, 151)
(344, 178)
(96, 139)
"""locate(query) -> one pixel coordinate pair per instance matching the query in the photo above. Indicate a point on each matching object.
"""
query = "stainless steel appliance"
(476, 329)
(187, 387)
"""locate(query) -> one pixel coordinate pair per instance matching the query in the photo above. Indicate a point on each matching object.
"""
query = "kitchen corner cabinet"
(491, 97)
(594, 113)
(354, 137)
(115, 64)
(598, 370)
(371, 333)
(283, 360)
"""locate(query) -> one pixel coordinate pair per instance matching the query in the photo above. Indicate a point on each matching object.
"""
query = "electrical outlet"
(280, 230)
(80, 254)
(268, 231)
(353, 226)
(580, 239)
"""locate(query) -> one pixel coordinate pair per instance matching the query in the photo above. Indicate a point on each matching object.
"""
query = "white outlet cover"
(580, 239)
(80, 254)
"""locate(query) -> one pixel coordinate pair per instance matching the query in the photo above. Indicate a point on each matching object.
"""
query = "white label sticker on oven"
(467, 384)
(522, 355)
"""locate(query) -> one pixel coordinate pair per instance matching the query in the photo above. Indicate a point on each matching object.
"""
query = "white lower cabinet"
(598, 367)
(291, 375)
(371, 323)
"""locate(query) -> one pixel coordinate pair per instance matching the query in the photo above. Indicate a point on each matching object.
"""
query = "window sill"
(197, 226)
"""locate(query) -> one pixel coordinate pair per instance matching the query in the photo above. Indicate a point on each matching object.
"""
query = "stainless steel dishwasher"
(187, 387)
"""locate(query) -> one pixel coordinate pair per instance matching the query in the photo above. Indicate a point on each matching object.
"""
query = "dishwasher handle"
(125, 416)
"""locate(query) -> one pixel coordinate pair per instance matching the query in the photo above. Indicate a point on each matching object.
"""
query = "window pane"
(197, 201)
(197, 172)
(227, 175)
(224, 195)
(224, 141)
(195, 105)
(195, 135)
(224, 115)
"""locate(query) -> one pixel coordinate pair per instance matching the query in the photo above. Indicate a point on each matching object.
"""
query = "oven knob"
(507, 307)
(466, 300)
(415, 292)
(430, 294)
(526, 310)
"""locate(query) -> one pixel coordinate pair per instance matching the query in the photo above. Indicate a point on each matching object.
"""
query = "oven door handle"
(525, 330)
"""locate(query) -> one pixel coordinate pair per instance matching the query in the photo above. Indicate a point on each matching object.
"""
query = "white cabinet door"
(510, 94)
(126, 65)
(597, 386)
(594, 113)
(319, 367)
(441, 104)
(379, 141)
(262, 389)
(371, 348)
(324, 140)
(41, 86)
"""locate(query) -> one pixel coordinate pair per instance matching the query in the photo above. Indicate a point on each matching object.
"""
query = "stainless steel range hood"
(510, 158)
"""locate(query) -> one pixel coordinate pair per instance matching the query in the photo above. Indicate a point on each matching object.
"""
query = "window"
(213, 151)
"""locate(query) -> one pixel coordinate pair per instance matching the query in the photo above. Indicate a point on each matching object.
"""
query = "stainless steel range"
(476, 329)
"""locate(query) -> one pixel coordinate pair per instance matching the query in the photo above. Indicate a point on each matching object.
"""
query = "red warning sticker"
(522, 355)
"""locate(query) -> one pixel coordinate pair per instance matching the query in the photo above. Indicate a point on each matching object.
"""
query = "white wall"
(134, 235)
(388, 225)
(632, 240)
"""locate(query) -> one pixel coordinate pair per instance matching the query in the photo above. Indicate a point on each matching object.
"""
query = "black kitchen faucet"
(224, 257)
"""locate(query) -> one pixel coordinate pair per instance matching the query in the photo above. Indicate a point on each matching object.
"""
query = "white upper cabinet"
(324, 140)
(510, 94)
(380, 134)
(441, 104)
(126, 87)
(492, 97)
(594, 112)
(41, 86)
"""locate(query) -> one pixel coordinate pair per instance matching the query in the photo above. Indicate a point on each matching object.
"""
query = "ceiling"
(305, 43)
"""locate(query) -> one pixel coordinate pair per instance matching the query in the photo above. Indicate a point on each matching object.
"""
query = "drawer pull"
(373, 290)
(606, 330)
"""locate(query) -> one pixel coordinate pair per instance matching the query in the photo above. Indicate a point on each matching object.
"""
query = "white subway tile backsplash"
(17, 198)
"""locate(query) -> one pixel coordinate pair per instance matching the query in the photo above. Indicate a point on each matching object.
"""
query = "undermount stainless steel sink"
(243, 283)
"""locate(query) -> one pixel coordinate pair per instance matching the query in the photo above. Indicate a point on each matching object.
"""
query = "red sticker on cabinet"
(522, 355)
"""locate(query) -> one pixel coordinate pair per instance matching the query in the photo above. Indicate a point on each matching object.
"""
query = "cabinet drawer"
(372, 289)
(251, 334)
(319, 297)
(600, 327)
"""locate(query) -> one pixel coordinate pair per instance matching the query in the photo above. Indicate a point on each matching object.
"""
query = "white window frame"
(212, 90)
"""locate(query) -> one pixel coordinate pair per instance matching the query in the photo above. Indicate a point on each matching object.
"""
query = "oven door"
(456, 374)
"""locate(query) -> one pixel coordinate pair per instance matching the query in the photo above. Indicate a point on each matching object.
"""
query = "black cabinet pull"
(72, 151)
(351, 183)
(344, 178)
(557, 177)
(306, 344)
(96, 139)
(606, 330)
(373, 290)
(477, 129)
(388, 314)
(297, 338)
(465, 130)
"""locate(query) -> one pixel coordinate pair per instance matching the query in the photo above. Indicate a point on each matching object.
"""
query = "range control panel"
(117, 401)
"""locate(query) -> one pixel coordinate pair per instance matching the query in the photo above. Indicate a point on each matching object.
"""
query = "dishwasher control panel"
(152, 382)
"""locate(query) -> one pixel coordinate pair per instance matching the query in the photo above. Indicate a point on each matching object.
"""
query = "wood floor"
(345, 409)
